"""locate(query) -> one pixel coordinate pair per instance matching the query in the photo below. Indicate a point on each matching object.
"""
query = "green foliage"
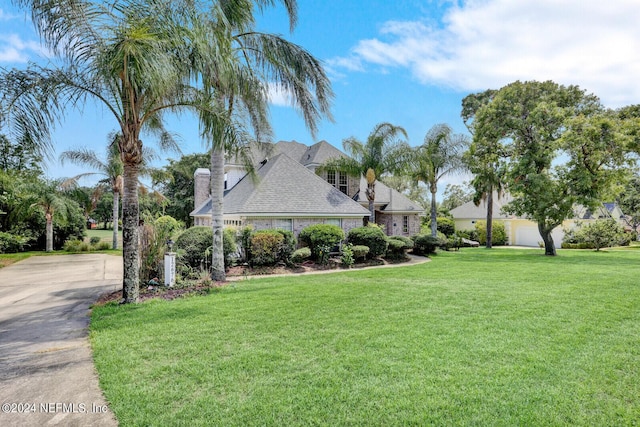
(559, 121)
(301, 255)
(95, 240)
(192, 244)
(425, 244)
(75, 245)
(266, 247)
(346, 257)
(229, 245)
(372, 237)
(396, 249)
(11, 243)
(319, 236)
(599, 234)
(499, 234)
(445, 225)
(176, 183)
(103, 246)
(360, 251)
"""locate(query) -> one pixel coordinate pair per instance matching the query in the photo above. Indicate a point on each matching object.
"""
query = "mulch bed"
(240, 271)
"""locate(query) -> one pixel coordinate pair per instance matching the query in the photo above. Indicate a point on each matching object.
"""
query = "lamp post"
(169, 265)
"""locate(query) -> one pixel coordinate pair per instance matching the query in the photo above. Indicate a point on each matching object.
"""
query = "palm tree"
(439, 155)
(130, 57)
(256, 61)
(48, 197)
(111, 169)
(372, 159)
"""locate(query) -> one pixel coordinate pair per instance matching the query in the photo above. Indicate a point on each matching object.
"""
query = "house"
(524, 232)
(289, 193)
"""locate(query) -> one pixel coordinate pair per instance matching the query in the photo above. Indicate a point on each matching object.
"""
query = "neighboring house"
(524, 232)
(287, 193)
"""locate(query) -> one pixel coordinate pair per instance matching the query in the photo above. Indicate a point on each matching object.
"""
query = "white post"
(169, 268)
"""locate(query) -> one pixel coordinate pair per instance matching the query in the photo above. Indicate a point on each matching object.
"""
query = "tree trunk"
(217, 220)
(549, 246)
(130, 231)
(489, 219)
(49, 232)
(434, 214)
(114, 217)
(371, 196)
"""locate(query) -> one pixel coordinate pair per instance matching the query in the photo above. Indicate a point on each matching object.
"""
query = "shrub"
(499, 235)
(425, 244)
(599, 234)
(360, 251)
(300, 255)
(289, 244)
(266, 246)
(347, 255)
(396, 249)
(94, 240)
(229, 246)
(372, 237)
(445, 225)
(75, 245)
(10, 243)
(103, 246)
(192, 244)
(319, 236)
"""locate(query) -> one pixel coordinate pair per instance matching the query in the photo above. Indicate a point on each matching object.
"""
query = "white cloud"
(6, 16)
(485, 44)
(279, 96)
(14, 49)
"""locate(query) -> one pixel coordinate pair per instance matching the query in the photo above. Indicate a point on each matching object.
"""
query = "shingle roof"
(284, 187)
(470, 211)
(388, 199)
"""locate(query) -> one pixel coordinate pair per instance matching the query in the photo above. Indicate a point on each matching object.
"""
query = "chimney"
(201, 186)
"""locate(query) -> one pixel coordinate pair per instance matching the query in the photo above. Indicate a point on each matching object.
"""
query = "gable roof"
(470, 211)
(387, 199)
(285, 187)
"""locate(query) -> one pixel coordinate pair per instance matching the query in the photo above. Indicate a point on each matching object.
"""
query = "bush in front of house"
(320, 236)
(425, 244)
(444, 225)
(398, 247)
(372, 237)
(360, 252)
(265, 247)
(499, 234)
(192, 244)
(347, 257)
(301, 255)
(229, 246)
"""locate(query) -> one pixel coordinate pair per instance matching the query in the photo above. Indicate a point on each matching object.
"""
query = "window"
(343, 182)
(331, 177)
(334, 221)
(338, 180)
(283, 224)
(405, 224)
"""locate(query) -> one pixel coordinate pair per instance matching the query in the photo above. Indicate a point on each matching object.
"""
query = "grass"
(105, 236)
(500, 337)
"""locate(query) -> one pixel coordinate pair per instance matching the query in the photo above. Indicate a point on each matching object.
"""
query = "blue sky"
(407, 62)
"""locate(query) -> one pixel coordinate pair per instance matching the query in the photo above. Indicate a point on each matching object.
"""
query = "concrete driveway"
(47, 375)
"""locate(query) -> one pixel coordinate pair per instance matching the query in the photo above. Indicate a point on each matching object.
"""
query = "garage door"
(529, 236)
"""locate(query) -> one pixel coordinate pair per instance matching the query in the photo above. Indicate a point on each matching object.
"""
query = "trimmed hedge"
(301, 255)
(360, 251)
(370, 236)
(265, 247)
(425, 244)
(320, 236)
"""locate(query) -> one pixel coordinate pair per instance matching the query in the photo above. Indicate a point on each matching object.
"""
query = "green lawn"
(105, 236)
(501, 337)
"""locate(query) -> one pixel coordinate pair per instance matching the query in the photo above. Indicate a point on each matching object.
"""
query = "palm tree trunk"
(114, 217)
(49, 232)
(217, 221)
(434, 214)
(489, 218)
(130, 224)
